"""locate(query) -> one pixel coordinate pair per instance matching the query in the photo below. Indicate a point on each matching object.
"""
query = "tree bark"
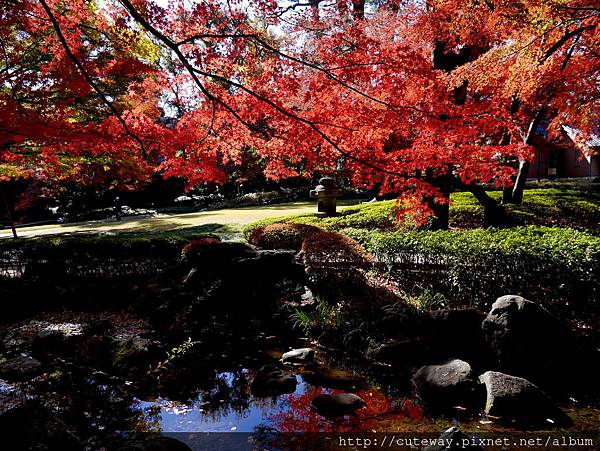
(507, 194)
(358, 9)
(441, 212)
(517, 192)
(519, 187)
(494, 214)
(441, 218)
(9, 214)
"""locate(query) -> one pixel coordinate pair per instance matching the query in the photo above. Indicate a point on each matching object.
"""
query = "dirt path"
(236, 217)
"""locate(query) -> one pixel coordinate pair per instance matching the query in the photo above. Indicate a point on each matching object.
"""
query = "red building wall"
(562, 161)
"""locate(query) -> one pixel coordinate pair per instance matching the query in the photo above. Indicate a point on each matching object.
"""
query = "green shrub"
(556, 266)
(375, 216)
(335, 265)
(61, 256)
(281, 235)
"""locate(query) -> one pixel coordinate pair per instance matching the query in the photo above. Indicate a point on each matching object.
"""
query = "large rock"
(526, 339)
(270, 381)
(337, 405)
(301, 356)
(333, 378)
(20, 368)
(442, 387)
(514, 400)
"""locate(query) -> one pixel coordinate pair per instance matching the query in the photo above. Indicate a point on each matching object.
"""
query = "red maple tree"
(421, 98)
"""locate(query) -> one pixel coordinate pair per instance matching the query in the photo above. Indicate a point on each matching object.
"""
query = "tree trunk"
(519, 187)
(494, 214)
(507, 194)
(441, 212)
(358, 9)
(441, 219)
(9, 214)
(517, 193)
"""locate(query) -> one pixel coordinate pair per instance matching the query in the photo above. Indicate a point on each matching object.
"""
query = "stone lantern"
(326, 193)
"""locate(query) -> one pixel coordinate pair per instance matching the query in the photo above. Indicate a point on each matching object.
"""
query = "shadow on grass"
(167, 230)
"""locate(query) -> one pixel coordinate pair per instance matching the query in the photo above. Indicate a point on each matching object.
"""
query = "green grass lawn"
(226, 223)
(574, 205)
(565, 205)
(569, 205)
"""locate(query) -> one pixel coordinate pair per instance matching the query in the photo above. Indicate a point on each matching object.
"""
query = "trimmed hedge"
(555, 266)
(375, 216)
(91, 256)
(281, 235)
(335, 265)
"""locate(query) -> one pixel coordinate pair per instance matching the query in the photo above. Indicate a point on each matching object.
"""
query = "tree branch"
(326, 71)
(533, 125)
(558, 44)
(194, 72)
(570, 53)
(88, 78)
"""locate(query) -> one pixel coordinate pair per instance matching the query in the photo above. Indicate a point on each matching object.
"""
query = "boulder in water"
(301, 356)
(333, 378)
(337, 405)
(443, 387)
(517, 401)
(270, 381)
(526, 339)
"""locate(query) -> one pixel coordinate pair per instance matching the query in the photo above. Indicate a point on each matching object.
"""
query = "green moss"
(569, 205)
(375, 216)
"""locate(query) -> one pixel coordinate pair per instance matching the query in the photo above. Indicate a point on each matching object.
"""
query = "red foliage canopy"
(419, 97)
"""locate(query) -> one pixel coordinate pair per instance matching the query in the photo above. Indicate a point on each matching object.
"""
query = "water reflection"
(227, 406)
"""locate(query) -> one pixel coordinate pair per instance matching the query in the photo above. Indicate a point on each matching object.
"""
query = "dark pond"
(215, 396)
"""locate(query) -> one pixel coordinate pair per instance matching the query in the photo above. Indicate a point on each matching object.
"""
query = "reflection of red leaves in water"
(412, 409)
(300, 417)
